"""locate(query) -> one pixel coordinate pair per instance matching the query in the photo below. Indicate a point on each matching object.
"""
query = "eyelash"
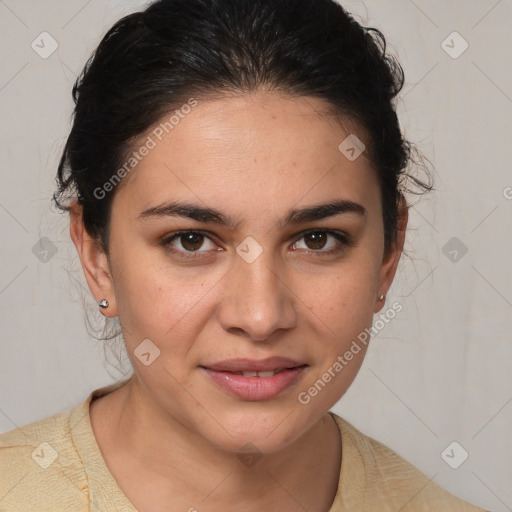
(344, 240)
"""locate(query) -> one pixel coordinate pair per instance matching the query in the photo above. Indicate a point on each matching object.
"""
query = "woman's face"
(262, 270)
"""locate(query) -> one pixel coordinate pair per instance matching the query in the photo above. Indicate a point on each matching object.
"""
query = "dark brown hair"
(151, 62)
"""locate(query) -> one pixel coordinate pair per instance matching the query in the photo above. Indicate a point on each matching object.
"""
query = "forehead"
(263, 150)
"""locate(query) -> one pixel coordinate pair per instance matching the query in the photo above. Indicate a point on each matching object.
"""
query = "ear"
(94, 261)
(392, 257)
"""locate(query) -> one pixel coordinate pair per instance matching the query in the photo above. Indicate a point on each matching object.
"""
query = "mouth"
(253, 380)
(243, 365)
(264, 374)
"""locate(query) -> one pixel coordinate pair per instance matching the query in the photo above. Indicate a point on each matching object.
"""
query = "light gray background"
(440, 372)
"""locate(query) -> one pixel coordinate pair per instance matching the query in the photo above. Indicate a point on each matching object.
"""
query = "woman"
(235, 176)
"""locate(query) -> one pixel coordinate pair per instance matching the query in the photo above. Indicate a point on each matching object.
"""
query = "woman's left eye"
(317, 241)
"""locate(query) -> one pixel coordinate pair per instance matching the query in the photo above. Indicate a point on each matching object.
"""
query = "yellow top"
(55, 465)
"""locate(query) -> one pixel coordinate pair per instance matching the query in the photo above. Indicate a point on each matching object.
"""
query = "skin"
(253, 157)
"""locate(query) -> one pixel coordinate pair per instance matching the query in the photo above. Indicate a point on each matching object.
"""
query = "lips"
(254, 380)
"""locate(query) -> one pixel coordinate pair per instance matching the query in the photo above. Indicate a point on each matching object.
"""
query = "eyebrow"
(294, 216)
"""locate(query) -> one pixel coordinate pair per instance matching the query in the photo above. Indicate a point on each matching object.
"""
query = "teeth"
(268, 373)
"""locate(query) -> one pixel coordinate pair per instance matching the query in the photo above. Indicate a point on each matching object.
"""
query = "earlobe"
(392, 257)
(94, 261)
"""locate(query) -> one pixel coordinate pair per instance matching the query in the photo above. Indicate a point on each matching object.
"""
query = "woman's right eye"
(188, 242)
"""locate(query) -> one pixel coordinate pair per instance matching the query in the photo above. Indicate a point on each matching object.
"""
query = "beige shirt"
(55, 465)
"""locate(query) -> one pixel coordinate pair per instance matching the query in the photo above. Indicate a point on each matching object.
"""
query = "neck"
(174, 459)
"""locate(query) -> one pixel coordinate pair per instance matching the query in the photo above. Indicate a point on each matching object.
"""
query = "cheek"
(343, 313)
(160, 303)
(144, 287)
(344, 299)
(341, 316)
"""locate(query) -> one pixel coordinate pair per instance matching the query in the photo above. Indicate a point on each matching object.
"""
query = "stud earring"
(382, 296)
(103, 303)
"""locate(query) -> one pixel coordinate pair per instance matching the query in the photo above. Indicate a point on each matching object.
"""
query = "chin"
(269, 431)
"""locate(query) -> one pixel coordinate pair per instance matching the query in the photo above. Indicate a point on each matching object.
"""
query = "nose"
(256, 301)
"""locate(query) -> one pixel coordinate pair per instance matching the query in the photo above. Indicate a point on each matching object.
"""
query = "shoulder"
(40, 464)
(375, 475)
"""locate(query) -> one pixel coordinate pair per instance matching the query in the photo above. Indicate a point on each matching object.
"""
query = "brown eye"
(316, 240)
(323, 241)
(192, 241)
(189, 241)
